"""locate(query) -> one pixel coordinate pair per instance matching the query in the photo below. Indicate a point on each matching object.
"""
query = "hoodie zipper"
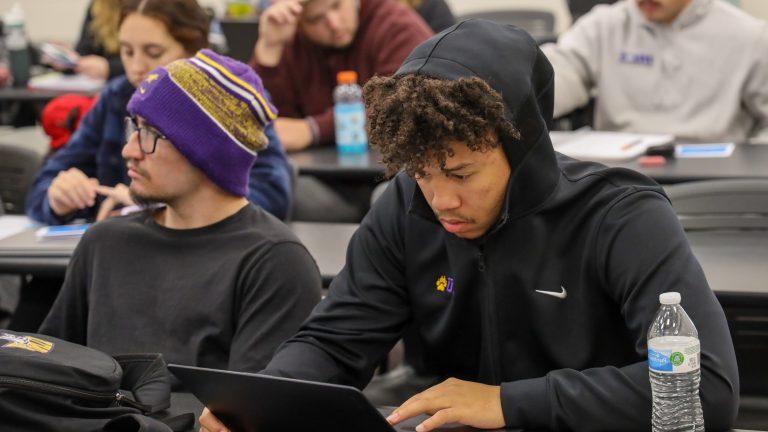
(26, 384)
(490, 317)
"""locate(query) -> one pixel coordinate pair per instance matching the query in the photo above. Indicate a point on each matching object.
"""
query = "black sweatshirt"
(223, 296)
(605, 239)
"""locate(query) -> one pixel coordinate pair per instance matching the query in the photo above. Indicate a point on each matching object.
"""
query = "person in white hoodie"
(696, 69)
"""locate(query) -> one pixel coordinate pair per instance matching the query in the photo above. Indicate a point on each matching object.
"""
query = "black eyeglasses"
(147, 137)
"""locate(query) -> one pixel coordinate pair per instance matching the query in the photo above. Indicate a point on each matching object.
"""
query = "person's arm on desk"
(576, 59)
(295, 134)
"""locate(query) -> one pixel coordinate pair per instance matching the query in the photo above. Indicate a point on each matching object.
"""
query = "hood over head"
(509, 60)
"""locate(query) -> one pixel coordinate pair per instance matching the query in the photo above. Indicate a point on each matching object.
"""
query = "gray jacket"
(702, 78)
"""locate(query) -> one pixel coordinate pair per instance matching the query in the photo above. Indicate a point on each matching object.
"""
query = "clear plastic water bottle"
(673, 364)
(349, 114)
(16, 44)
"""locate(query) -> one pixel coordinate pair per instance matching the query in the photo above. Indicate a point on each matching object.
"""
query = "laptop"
(260, 403)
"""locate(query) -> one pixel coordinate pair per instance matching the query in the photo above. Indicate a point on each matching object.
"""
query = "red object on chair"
(62, 115)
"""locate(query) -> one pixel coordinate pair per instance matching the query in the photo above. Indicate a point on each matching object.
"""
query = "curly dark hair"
(412, 118)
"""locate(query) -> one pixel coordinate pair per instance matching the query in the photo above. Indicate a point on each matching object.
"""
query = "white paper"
(608, 146)
(60, 82)
(13, 224)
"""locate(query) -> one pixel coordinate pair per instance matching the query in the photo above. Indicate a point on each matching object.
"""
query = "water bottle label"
(673, 354)
(349, 119)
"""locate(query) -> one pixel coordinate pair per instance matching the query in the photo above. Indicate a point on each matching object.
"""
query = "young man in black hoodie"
(532, 292)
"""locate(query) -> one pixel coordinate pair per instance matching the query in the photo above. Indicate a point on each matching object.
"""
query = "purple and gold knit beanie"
(214, 111)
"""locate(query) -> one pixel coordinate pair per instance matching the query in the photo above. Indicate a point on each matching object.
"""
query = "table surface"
(733, 261)
(747, 161)
(34, 95)
(326, 162)
(185, 402)
(22, 252)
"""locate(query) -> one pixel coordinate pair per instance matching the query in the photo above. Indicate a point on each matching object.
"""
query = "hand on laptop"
(454, 401)
(209, 423)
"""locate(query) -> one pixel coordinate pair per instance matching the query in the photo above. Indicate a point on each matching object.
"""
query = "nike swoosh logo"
(561, 295)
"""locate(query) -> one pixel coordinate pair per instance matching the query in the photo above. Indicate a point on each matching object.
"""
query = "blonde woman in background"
(98, 46)
(435, 13)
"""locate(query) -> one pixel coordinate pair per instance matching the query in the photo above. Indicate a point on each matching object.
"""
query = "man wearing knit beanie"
(203, 276)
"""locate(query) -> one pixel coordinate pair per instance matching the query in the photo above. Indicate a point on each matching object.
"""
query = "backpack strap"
(136, 423)
(146, 377)
(142, 423)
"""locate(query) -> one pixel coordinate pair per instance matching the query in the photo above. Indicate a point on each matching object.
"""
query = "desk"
(733, 261)
(30, 137)
(185, 402)
(327, 243)
(22, 253)
(747, 161)
(14, 100)
(327, 164)
(12, 94)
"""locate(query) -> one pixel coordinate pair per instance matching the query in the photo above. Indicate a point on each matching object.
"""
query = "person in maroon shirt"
(302, 45)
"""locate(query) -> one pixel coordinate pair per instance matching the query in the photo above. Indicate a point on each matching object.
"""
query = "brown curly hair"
(412, 118)
(185, 20)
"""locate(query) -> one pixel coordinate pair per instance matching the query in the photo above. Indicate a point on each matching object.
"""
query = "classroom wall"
(61, 19)
(51, 19)
(758, 8)
(559, 8)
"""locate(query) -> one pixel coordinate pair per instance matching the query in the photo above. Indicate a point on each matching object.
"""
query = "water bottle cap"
(15, 16)
(670, 298)
(346, 77)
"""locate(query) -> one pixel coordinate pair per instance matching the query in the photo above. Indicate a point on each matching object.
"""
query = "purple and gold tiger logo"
(444, 284)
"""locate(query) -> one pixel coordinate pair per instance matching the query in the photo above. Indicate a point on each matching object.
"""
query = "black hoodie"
(605, 239)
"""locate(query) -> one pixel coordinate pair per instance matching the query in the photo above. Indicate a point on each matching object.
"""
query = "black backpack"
(47, 384)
